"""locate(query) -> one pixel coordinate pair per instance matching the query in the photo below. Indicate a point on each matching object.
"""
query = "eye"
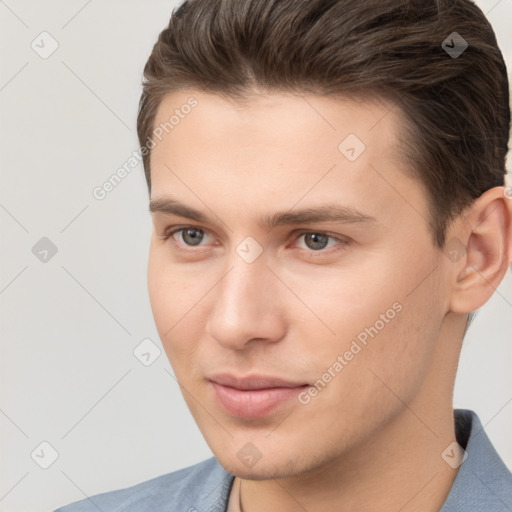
(190, 236)
(318, 242)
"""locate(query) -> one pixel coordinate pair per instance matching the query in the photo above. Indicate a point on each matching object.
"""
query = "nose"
(246, 306)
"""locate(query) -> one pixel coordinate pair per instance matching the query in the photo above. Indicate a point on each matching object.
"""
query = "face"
(291, 275)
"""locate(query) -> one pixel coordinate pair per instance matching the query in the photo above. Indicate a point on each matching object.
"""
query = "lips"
(253, 382)
(253, 396)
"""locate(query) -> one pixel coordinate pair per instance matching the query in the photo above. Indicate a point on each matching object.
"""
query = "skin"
(372, 438)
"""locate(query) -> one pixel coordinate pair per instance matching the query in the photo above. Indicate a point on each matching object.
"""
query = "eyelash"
(321, 252)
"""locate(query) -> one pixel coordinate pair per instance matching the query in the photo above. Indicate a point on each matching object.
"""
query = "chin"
(278, 467)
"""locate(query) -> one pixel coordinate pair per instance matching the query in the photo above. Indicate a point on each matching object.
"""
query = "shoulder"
(202, 487)
(483, 482)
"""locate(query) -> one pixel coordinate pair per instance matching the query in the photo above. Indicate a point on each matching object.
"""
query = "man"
(326, 183)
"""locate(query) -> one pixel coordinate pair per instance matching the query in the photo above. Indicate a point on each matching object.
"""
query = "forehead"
(290, 117)
(282, 147)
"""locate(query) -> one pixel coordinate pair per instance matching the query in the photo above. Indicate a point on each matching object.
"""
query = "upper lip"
(250, 382)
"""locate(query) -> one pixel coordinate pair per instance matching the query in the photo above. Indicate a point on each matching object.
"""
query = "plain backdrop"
(70, 324)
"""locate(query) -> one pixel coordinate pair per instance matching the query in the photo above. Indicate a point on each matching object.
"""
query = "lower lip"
(254, 403)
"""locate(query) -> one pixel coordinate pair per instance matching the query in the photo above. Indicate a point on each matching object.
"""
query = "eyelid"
(301, 232)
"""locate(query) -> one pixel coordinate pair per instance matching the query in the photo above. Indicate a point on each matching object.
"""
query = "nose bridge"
(244, 303)
(242, 290)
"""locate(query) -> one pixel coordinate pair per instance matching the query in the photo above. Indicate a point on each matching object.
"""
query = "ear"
(481, 250)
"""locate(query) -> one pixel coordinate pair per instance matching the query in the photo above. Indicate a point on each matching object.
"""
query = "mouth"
(253, 396)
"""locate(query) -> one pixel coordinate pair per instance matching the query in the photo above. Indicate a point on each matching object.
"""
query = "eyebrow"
(328, 212)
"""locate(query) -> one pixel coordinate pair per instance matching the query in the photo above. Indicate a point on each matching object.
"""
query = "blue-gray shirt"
(483, 483)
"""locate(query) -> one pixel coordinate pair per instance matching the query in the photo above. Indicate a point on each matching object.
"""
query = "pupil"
(193, 239)
(318, 241)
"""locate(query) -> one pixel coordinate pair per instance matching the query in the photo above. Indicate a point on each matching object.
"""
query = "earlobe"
(488, 251)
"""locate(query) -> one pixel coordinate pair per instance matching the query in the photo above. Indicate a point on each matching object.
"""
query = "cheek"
(374, 379)
(384, 324)
(165, 290)
(170, 290)
(178, 304)
(346, 304)
(160, 287)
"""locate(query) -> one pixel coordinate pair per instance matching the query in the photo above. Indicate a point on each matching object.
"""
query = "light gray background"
(70, 325)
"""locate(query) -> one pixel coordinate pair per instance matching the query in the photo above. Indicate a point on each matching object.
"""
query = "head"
(322, 174)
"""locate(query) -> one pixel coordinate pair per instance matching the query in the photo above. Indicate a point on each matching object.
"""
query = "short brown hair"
(457, 108)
